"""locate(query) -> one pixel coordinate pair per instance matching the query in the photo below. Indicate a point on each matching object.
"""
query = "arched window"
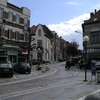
(39, 32)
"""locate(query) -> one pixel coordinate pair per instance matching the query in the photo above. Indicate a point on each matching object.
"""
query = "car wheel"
(11, 75)
(80, 67)
(29, 72)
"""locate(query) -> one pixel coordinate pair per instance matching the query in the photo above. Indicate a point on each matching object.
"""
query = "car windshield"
(5, 65)
(98, 63)
(25, 64)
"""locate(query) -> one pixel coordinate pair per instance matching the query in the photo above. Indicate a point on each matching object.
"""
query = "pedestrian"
(68, 64)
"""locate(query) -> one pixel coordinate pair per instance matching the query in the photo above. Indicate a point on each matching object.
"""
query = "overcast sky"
(62, 16)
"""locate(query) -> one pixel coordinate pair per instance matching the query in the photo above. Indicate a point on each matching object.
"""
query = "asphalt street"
(57, 83)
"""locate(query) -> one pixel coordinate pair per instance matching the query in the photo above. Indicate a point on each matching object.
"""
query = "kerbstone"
(92, 97)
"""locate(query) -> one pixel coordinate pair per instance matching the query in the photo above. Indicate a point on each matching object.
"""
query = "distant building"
(52, 47)
(44, 43)
(14, 32)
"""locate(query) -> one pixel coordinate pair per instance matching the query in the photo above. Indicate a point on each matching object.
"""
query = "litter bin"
(98, 76)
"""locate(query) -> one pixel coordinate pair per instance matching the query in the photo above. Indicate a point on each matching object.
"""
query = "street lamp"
(85, 40)
(79, 32)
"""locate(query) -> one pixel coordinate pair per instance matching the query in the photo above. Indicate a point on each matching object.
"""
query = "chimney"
(95, 11)
(91, 14)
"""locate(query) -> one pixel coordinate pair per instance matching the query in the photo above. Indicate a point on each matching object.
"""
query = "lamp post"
(85, 40)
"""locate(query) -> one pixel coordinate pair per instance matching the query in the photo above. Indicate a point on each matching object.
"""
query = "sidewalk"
(45, 69)
(94, 95)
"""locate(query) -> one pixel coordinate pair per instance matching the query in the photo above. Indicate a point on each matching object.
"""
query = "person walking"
(67, 64)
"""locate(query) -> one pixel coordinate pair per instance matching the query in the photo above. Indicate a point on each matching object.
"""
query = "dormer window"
(39, 32)
(95, 19)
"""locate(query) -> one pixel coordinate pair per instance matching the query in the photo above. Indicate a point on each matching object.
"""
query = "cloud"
(69, 27)
(71, 3)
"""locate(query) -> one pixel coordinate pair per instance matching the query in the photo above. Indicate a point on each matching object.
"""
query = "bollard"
(92, 97)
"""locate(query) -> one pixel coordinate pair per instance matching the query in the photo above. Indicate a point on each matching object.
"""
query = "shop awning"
(11, 46)
(23, 51)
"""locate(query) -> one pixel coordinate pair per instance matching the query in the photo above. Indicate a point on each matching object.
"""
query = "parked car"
(6, 69)
(71, 61)
(82, 63)
(35, 61)
(97, 64)
(22, 67)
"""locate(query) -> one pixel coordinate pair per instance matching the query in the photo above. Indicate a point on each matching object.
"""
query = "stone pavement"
(47, 69)
(44, 69)
(94, 95)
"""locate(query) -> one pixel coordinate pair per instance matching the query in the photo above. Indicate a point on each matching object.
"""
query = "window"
(39, 32)
(17, 19)
(95, 37)
(17, 35)
(39, 43)
(10, 16)
(0, 31)
(10, 34)
(25, 36)
(1, 13)
(25, 22)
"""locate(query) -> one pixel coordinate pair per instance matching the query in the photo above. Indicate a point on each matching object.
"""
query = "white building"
(44, 43)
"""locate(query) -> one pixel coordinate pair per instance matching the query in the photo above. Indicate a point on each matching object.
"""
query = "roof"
(33, 29)
(94, 18)
(46, 30)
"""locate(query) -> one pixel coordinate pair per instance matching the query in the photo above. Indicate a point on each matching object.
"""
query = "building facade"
(91, 28)
(14, 32)
(44, 43)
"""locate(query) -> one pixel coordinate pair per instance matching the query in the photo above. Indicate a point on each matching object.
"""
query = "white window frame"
(0, 31)
(39, 32)
(17, 35)
(26, 23)
(25, 36)
(10, 34)
(17, 19)
(1, 15)
(10, 16)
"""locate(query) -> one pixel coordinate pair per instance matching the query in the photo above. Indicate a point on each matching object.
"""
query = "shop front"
(9, 53)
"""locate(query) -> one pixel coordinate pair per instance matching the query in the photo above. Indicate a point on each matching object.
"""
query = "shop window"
(14, 58)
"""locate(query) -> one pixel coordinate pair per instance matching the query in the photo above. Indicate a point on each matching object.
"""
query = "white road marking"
(14, 77)
(34, 73)
(29, 79)
(14, 94)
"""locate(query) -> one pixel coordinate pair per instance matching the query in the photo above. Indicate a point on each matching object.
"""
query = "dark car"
(82, 63)
(6, 69)
(22, 67)
(35, 61)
